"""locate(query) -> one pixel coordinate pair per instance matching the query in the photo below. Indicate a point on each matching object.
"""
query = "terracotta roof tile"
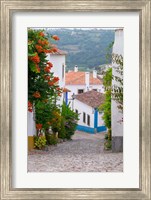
(78, 78)
(59, 52)
(91, 98)
(66, 90)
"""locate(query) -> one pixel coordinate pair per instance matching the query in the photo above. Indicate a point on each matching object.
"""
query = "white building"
(117, 127)
(86, 104)
(58, 60)
(79, 82)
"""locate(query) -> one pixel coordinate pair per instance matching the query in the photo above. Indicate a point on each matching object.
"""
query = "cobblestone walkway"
(84, 153)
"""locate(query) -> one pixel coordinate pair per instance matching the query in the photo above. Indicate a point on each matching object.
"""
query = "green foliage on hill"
(86, 47)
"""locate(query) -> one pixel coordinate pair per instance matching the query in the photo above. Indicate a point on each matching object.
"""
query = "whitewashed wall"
(81, 107)
(58, 62)
(117, 128)
(31, 129)
(100, 120)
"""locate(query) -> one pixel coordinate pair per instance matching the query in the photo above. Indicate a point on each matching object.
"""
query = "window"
(88, 120)
(84, 115)
(80, 91)
(76, 111)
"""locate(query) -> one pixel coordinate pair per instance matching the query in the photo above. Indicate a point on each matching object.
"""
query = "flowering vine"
(43, 88)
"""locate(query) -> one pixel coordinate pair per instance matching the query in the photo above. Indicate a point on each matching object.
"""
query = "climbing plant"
(43, 88)
(117, 87)
(106, 106)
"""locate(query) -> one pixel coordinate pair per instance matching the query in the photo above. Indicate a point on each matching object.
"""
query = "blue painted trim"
(95, 118)
(101, 128)
(91, 130)
(85, 129)
(66, 98)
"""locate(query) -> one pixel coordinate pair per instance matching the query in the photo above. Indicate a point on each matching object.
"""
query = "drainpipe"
(66, 98)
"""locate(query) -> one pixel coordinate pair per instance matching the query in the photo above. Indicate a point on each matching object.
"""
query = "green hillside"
(86, 48)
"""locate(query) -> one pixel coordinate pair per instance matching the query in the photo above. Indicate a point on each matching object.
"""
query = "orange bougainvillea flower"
(30, 106)
(39, 41)
(43, 42)
(47, 69)
(54, 50)
(37, 95)
(59, 94)
(50, 83)
(41, 34)
(38, 126)
(55, 37)
(55, 79)
(35, 58)
(47, 78)
(50, 64)
(39, 48)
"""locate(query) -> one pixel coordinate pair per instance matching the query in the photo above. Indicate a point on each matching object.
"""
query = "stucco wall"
(81, 107)
(31, 129)
(100, 120)
(58, 62)
(117, 126)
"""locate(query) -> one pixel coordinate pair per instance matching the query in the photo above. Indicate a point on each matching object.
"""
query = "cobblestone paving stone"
(84, 153)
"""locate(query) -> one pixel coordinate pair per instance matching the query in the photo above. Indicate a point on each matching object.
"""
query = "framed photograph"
(55, 43)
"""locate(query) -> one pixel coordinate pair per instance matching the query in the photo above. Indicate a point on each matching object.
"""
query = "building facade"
(79, 82)
(117, 116)
(86, 105)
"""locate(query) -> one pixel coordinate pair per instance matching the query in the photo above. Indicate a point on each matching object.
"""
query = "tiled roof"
(66, 90)
(91, 98)
(59, 52)
(78, 78)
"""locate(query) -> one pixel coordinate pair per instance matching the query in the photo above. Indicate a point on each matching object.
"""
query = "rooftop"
(59, 52)
(78, 78)
(91, 98)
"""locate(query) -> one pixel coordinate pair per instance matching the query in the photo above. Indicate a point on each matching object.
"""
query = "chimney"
(75, 68)
(87, 80)
(94, 74)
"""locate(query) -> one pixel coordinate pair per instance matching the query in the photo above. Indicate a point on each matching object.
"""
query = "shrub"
(39, 142)
(62, 131)
(56, 120)
(51, 139)
(108, 145)
(69, 120)
(106, 137)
